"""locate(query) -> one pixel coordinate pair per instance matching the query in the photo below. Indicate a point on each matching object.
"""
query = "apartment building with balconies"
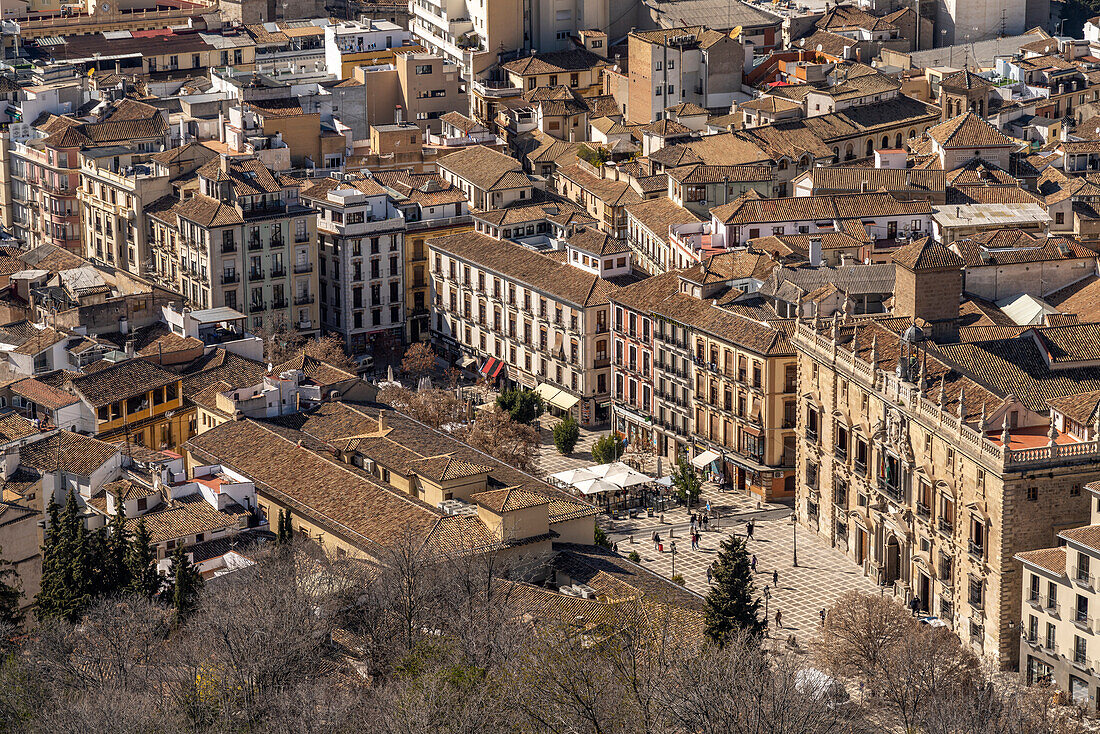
(469, 33)
(116, 187)
(45, 168)
(244, 241)
(1060, 611)
(432, 208)
(527, 319)
(360, 261)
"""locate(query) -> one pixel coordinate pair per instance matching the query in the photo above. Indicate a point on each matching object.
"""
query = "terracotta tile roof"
(204, 211)
(667, 128)
(121, 381)
(460, 121)
(927, 254)
(656, 215)
(851, 179)
(39, 393)
(349, 502)
(611, 193)
(529, 213)
(484, 167)
(186, 516)
(220, 366)
(1081, 298)
(597, 242)
(36, 339)
(1016, 366)
(509, 499)
(685, 109)
(426, 189)
(969, 131)
(128, 489)
(525, 266)
(991, 195)
(1079, 407)
(277, 108)
(1088, 536)
(71, 452)
(698, 173)
(444, 468)
(14, 427)
(319, 372)
(1049, 559)
(555, 62)
(248, 177)
(1014, 246)
(965, 80)
(753, 209)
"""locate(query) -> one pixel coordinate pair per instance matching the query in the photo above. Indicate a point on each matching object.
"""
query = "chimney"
(123, 325)
(815, 252)
(397, 114)
(129, 348)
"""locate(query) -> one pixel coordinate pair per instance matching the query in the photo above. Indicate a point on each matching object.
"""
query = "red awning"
(485, 368)
(496, 370)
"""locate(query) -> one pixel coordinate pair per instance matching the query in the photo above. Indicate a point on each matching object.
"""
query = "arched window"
(897, 140)
(885, 141)
(849, 152)
(870, 147)
(782, 164)
(912, 134)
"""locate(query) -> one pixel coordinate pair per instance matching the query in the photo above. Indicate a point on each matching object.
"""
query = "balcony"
(279, 303)
(229, 248)
(976, 550)
(278, 271)
(1083, 577)
(257, 306)
(923, 510)
(229, 278)
(841, 453)
(946, 526)
(890, 490)
(302, 300)
(255, 275)
(811, 435)
(255, 244)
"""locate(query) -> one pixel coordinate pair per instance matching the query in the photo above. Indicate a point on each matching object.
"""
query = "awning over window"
(466, 362)
(564, 400)
(488, 366)
(497, 369)
(546, 391)
(704, 459)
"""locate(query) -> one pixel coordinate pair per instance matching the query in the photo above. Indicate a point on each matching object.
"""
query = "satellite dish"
(736, 32)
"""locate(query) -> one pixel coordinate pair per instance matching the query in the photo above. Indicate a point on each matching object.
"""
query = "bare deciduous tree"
(431, 407)
(502, 438)
(419, 360)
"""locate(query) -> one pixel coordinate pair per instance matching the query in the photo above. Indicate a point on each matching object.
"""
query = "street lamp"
(794, 529)
(672, 547)
(767, 595)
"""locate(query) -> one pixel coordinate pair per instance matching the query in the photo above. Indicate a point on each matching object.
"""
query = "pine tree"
(186, 583)
(686, 481)
(140, 570)
(732, 604)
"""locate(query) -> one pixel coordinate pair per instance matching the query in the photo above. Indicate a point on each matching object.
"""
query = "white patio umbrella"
(600, 470)
(572, 476)
(595, 486)
(632, 479)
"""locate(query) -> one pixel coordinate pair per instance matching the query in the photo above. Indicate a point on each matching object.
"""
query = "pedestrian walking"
(775, 578)
(656, 539)
(706, 519)
(754, 563)
(710, 575)
(749, 529)
(914, 605)
(778, 619)
(822, 613)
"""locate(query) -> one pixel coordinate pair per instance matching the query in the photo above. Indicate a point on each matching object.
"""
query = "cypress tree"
(280, 532)
(732, 604)
(116, 570)
(65, 567)
(140, 570)
(186, 583)
(288, 534)
(10, 594)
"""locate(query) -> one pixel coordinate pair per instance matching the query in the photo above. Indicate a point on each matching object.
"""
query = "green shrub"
(566, 435)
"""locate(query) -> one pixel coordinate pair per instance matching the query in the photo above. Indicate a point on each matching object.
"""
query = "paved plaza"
(822, 575)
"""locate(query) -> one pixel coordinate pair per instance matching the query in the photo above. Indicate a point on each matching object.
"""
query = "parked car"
(821, 686)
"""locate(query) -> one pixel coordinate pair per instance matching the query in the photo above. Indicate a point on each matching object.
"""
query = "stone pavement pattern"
(823, 573)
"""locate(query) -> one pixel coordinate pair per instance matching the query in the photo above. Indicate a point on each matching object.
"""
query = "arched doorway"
(893, 560)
